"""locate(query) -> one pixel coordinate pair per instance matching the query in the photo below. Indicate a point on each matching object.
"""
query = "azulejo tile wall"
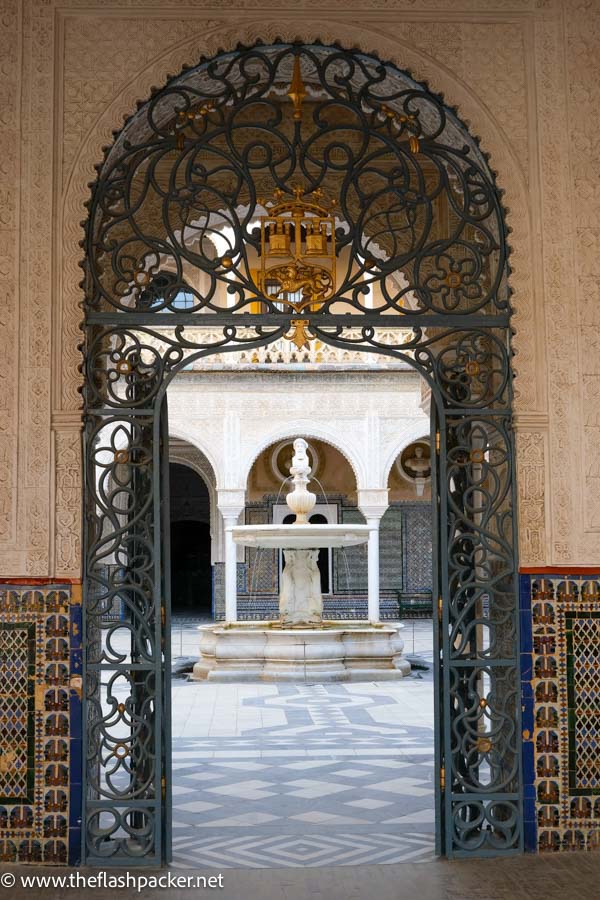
(40, 722)
(40, 717)
(560, 626)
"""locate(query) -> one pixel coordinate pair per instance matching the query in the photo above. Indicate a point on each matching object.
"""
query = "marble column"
(231, 503)
(373, 568)
(230, 570)
(373, 503)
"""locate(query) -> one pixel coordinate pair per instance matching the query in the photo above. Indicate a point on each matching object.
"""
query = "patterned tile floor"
(303, 774)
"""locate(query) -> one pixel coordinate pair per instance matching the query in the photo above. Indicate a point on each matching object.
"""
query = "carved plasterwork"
(502, 133)
(79, 69)
(583, 73)
(67, 539)
(9, 264)
(564, 373)
(369, 419)
(532, 457)
(206, 37)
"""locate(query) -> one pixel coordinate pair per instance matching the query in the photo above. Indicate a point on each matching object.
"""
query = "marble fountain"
(300, 645)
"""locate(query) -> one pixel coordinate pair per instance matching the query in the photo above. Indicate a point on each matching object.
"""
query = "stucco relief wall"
(523, 74)
(369, 419)
(583, 74)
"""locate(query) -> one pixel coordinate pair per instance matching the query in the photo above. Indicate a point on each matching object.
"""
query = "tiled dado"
(40, 722)
(560, 626)
(40, 716)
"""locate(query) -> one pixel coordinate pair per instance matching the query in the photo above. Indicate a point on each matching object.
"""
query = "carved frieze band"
(532, 464)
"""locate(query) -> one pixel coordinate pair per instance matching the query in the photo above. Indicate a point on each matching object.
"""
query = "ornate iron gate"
(313, 193)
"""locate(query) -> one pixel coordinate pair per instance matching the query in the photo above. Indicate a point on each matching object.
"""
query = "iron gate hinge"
(437, 441)
(440, 607)
(442, 778)
(163, 616)
(163, 787)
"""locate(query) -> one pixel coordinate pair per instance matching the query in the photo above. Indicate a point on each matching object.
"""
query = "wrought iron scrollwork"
(188, 181)
(267, 184)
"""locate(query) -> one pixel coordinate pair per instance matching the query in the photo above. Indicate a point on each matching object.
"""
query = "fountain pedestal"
(300, 598)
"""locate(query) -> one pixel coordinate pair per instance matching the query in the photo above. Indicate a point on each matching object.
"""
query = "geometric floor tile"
(342, 775)
(309, 851)
(252, 818)
(312, 789)
(191, 775)
(350, 773)
(366, 803)
(420, 818)
(197, 806)
(324, 818)
(243, 790)
(408, 786)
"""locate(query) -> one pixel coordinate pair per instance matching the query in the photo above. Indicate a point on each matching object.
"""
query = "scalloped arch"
(422, 67)
(414, 434)
(182, 435)
(307, 430)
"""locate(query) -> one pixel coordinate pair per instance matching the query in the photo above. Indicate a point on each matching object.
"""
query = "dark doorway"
(191, 572)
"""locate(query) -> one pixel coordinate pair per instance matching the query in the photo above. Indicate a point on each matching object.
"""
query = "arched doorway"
(385, 233)
(191, 576)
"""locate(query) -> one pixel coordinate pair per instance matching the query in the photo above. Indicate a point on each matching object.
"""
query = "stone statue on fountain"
(300, 598)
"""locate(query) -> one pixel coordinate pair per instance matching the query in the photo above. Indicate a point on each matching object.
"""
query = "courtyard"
(285, 775)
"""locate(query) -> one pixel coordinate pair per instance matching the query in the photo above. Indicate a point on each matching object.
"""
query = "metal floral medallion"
(297, 192)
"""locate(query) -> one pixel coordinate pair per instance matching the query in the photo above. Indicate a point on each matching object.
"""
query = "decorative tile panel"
(40, 723)
(418, 547)
(350, 564)
(583, 694)
(392, 536)
(561, 711)
(262, 564)
(17, 702)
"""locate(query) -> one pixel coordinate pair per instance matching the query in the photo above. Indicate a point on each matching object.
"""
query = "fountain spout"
(300, 500)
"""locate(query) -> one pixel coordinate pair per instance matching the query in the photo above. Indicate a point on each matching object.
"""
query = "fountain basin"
(332, 651)
(300, 537)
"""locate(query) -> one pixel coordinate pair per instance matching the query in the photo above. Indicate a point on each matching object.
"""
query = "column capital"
(231, 502)
(373, 502)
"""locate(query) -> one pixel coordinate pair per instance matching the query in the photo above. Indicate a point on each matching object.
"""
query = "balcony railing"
(285, 353)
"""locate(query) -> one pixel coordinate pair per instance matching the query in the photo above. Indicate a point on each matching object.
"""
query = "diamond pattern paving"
(303, 775)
